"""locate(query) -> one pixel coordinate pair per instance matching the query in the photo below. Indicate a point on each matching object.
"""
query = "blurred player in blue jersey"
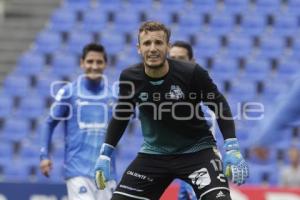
(285, 116)
(183, 51)
(178, 142)
(85, 107)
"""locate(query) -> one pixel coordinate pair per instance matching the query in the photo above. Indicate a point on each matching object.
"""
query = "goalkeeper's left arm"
(235, 167)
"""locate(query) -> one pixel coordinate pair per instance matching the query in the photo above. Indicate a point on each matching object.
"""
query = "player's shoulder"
(66, 91)
(132, 72)
(185, 68)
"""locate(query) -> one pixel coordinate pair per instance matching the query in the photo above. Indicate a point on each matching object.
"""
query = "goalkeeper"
(177, 139)
(78, 105)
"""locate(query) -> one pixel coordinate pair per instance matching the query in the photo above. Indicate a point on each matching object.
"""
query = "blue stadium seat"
(265, 99)
(288, 68)
(268, 6)
(221, 24)
(17, 86)
(168, 2)
(224, 69)
(15, 129)
(6, 151)
(127, 21)
(63, 20)
(44, 82)
(257, 70)
(172, 5)
(6, 105)
(244, 130)
(236, 6)
(293, 7)
(77, 5)
(30, 64)
(64, 64)
(94, 20)
(138, 5)
(161, 16)
(111, 5)
(30, 152)
(15, 171)
(31, 108)
(238, 96)
(190, 22)
(179, 35)
(47, 42)
(285, 140)
(78, 39)
(207, 46)
(260, 172)
(285, 25)
(242, 88)
(271, 46)
(253, 24)
(125, 61)
(205, 6)
(274, 88)
(296, 47)
(239, 46)
(114, 43)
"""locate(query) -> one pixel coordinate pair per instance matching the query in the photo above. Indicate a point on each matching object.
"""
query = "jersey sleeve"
(122, 111)
(59, 111)
(214, 99)
(287, 114)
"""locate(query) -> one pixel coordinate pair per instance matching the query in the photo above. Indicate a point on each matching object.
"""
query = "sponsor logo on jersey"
(200, 178)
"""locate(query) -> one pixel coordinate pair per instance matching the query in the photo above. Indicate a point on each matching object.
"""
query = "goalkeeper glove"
(236, 168)
(102, 167)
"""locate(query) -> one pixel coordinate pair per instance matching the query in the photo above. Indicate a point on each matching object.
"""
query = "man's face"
(179, 53)
(153, 47)
(93, 65)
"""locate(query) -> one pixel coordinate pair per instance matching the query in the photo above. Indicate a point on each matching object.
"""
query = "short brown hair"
(93, 47)
(154, 26)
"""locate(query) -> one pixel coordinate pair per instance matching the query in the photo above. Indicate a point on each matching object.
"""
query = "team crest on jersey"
(175, 93)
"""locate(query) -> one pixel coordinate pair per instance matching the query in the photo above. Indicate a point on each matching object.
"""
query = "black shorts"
(148, 176)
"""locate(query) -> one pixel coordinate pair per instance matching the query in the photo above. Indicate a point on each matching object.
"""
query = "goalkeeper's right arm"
(115, 131)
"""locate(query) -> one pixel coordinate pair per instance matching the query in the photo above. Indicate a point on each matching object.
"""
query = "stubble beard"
(158, 66)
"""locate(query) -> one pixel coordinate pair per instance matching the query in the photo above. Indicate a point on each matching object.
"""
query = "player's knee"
(218, 194)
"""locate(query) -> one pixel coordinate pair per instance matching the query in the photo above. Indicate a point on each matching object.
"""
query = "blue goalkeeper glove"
(102, 167)
(236, 168)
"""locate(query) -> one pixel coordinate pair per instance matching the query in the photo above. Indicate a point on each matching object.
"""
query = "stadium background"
(251, 48)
